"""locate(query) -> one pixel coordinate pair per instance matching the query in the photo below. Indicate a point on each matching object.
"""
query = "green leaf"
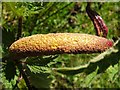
(39, 79)
(41, 61)
(9, 39)
(112, 71)
(10, 70)
(88, 79)
(8, 84)
(22, 85)
(38, 69)
(12, 6)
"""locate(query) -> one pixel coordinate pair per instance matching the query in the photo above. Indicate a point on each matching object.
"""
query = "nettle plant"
(31, 61)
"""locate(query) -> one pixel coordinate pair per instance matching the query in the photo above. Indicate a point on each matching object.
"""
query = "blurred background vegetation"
(22, 19)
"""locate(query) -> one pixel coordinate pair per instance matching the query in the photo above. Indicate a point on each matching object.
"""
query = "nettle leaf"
(8, 76)
(8, 84)
(39, 72)
(38, 69)
(38, 76)
(7, 40)
(22, 85)
(112, 71)
(10, 70)
(41, 61)
(90, 77)
(12, 6)
(108, 58)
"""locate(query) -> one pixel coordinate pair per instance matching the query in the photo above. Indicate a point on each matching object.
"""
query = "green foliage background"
(56, 17)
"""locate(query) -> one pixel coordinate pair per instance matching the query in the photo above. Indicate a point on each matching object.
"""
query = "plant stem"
(19, 27)
(24, 75)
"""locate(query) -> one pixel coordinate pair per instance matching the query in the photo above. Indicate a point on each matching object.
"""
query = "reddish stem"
(100, 26)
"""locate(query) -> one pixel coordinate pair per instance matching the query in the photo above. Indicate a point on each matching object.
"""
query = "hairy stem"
(100, 26)
(24, 75)
(19, 27)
